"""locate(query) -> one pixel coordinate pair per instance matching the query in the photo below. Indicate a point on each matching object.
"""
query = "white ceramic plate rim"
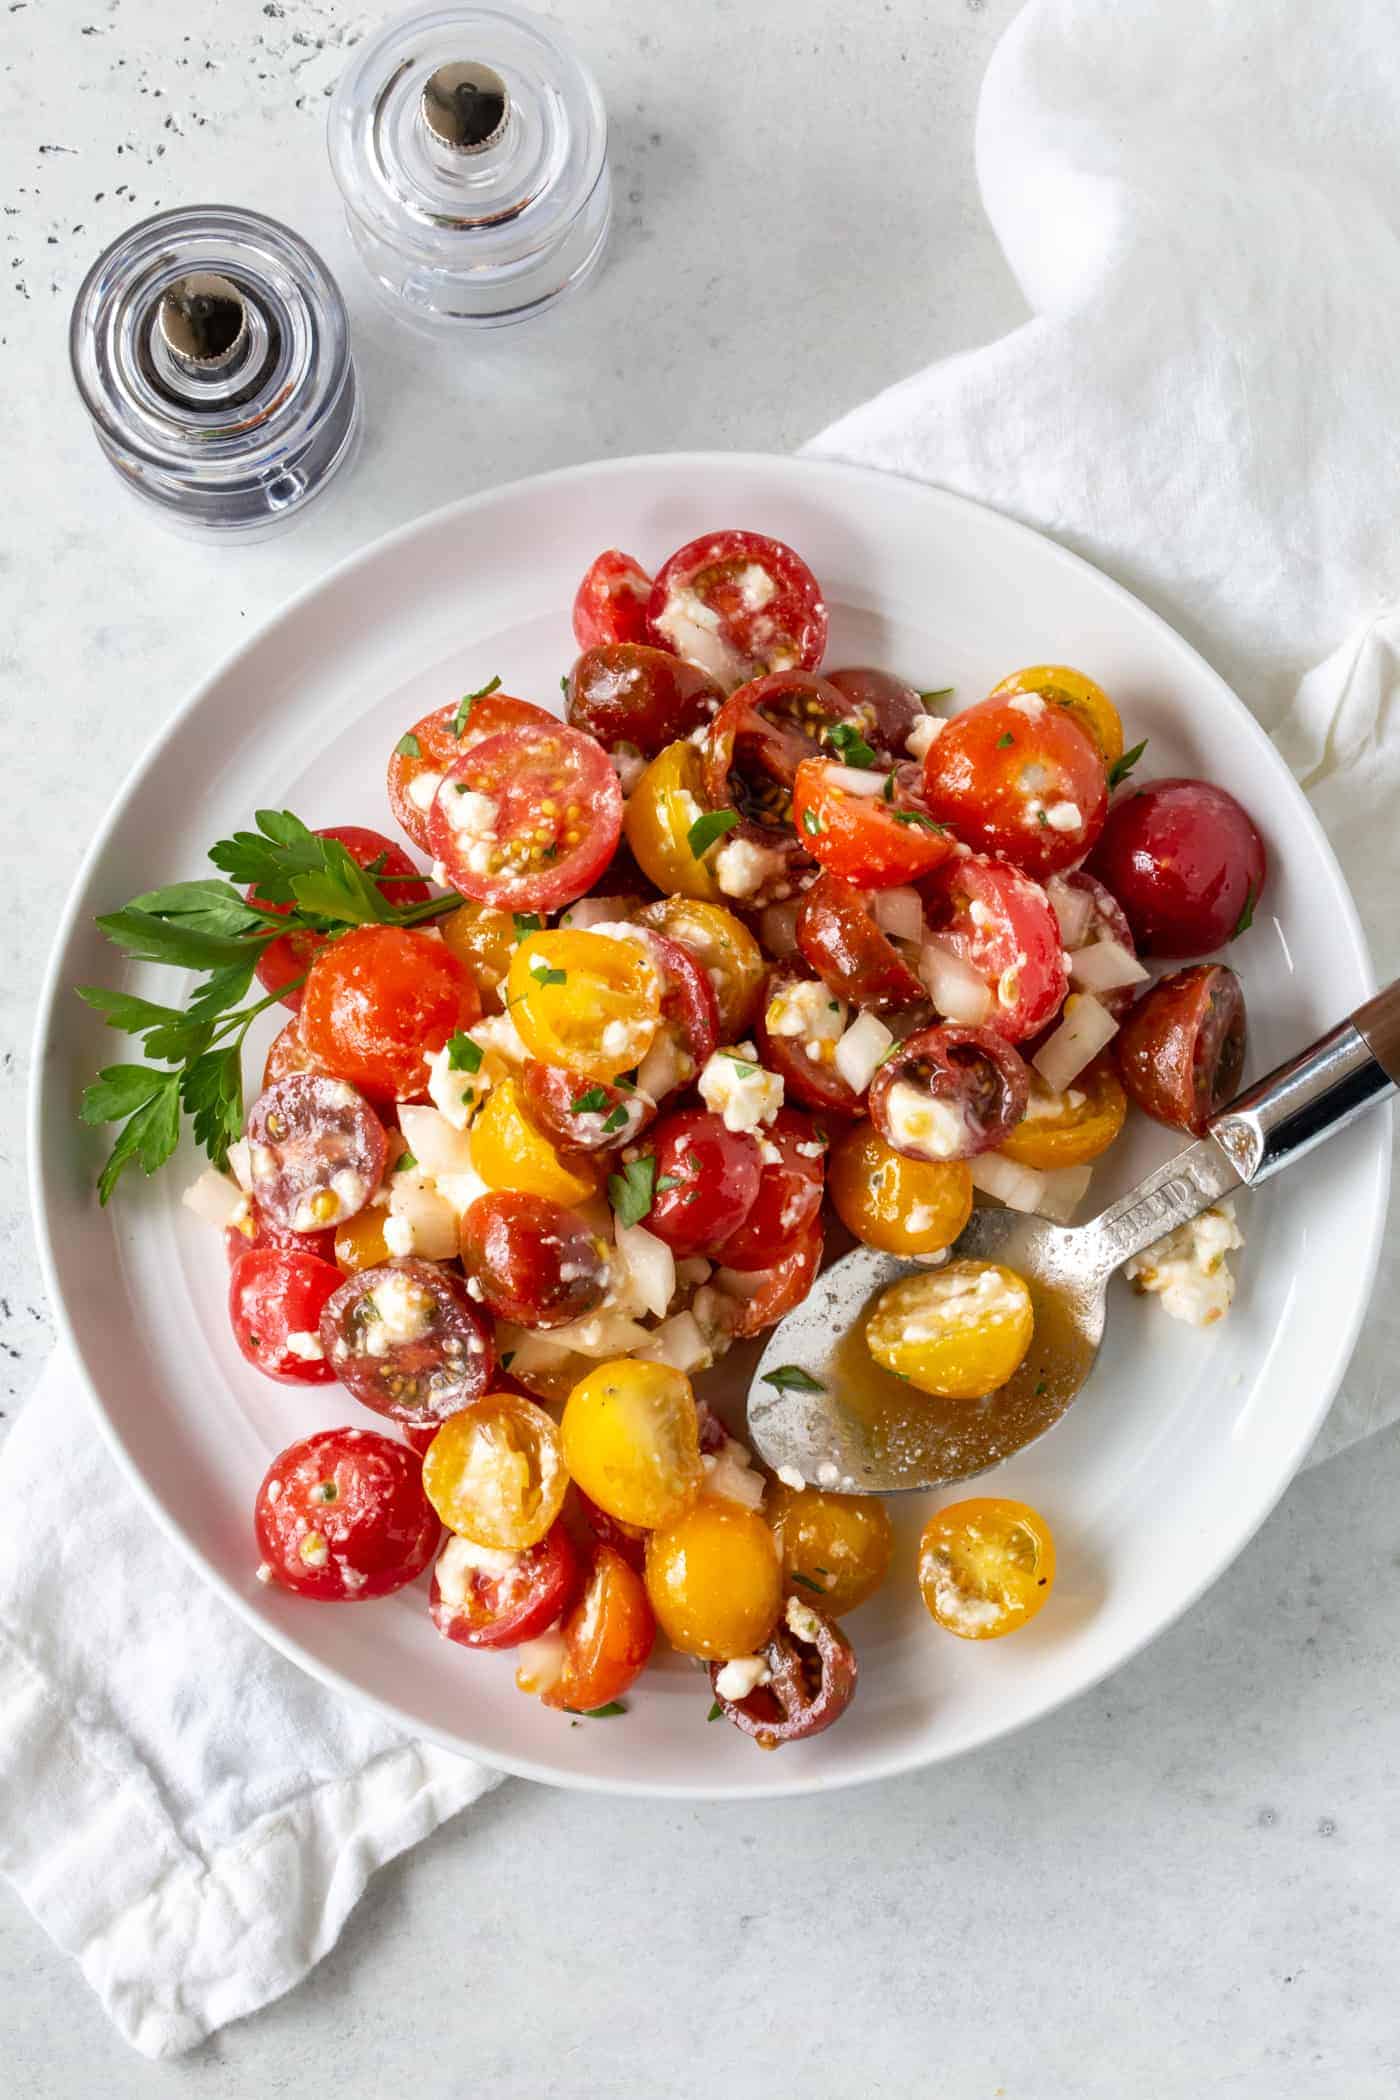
(58, 978)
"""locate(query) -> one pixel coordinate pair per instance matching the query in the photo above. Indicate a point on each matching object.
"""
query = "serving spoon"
(819, 1405)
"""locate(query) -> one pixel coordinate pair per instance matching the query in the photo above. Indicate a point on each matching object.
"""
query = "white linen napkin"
(1195, 201)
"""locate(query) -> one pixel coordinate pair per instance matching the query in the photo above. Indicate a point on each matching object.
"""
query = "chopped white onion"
(426, 1218)
(740, 1283)
(1073, 908)
(661, 1071)
(1064, 1191)
(953, 985)
(777, 927)
(861, 1051)
(679, 1343)
(650, 1268)
(215, 1198)
(900, 912)
(529, 1350)
(855, 780)
(1019, 1188)
(602, 1334)
(595, 911)
(437, 1145)
(1084, 1031)
(240, 1163)
(1105, 966)
(730, 1476)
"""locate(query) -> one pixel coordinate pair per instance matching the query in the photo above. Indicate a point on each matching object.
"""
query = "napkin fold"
(1200, 205)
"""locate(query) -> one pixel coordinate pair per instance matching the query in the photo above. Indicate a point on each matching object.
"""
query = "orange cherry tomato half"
(1078, 695)
(379, 1002)
(608, 1637)
(986, 1567)
(428, 750)
(1069, 1129)
(848, 822)
(1021, 780)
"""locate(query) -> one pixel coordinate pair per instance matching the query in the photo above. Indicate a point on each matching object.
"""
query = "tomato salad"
(741, 942)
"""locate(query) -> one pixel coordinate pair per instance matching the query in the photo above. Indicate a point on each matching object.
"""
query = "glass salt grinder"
(470, 147)
(210, 348)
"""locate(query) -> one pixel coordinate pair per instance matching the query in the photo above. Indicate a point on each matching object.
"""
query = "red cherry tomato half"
(630, 1540)
(1021, 779)
(812, 1081)
(290, 957)
(527, 820)
(482, 1609)
(949, 1093)
(1000, 923)
(316, 1153)
(845, 819)
(840, 940)
(789, 1195)
(811, 1681)
(256, 1231)
(433, 746)
(379, 1002)
(739, 604)
(706, 1183)
(342, 1516)
(1181, 1050)
(287, 1053)
(408, 1341)
(582, 1115)
(611, 605)
(275, 1302)
(625, 693)
(750, 1300)
(1107, 922)
(883, 708)
(688, 1002)
(608, 1636)
(1185, 862)
(535, 1263)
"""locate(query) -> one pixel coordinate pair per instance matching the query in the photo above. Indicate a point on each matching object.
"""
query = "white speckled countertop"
(1180, 1887)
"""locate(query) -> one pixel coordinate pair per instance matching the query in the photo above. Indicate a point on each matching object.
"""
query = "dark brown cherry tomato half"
(1107, 922)
(535, 1263)
(420, 758)
(789, 1197)
(706, 1181)
(611, 604)
(630, 1540)
(838, 937)
(379, 1002)
(408, 1341)
(290, 957)
(342, 1516)
(871, 831)
(1020, 779)
(484, 1609)
(882, 707)
(949, 1093)
(316, 1152)
(1181, 1050)
(608, 1636)
(812, 1673)
(275, 1301)
(582, 1115)
(688, 1001)
(528, 819)
(999, 922)
(1186, 863)
(627, 693)
(814, 1082)
(739, 604)
(760, 737)
(748, 1300)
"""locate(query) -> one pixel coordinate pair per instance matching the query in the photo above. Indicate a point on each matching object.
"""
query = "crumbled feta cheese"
(629, 767)
(1031, 705)
(456, 1095)
(460, 1559)
(398, 1234)
(402, 1311)
(306, 1345)
(263, 1572)
(735, 1085)
(470, 814)
(692, 629)
(498, 1032)
(422, 789)
(802, 1621)
(925, 732)
(1064, 816)
(756, 587)
(936, 1129)
(740, 1676)
(741, 867)
(791, 1478)
(1187, 1269)
(730, 1475)
(808, 1010)
(959, 1299)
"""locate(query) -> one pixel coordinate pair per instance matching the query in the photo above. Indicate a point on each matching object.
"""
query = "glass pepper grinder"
(470, 147)
(211, 351)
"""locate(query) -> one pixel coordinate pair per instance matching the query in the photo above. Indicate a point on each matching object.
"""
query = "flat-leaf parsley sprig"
(194, 1052)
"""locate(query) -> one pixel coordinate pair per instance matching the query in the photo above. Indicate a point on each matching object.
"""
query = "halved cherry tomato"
(624, 693)
(870, 829)
(611, 605)
(433, 746)
(1186, 863)
(803, 1061)
(480, 1603)
(316, 1152)
(1019, 779)
(483, 941)
(744, 1302)
(360, 1242)
(582, 1115)
(631, 1441)
(689, 1009)
(738, 604)
(957, 1332)
(407, 1341)
(836, 1548)
(986, 1566)
(1088, 703)
(756, 743)
(379, 1001)
(495, 1472)
(810, 1681)
(840, 940)
(706, 1182)
(1000, 923)
(724, 949)
(902, 1205)
(534, 1262)
(1069, 1129)
(585, 1001)
(275, 1301)
(290, 957)
(715, 1580)
(252, 1230)
(342, 1516)
(287, 1053)
(1182, 1048)
(661, 811)
(882, 707)
(789, 1196)
(949, 1093)
(526, 820)
(608, 1636)
(510, 1152)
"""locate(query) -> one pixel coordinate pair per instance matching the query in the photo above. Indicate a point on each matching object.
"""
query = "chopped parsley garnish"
(630, 1192)
(716, 1712)
(548, 976)
(590, 1101)
(812, 823)
(742, 1067)
(405, 1164)
(618, 1120)
(525, 922)
(408, 746)
(808, 1584)
(939, 692)
(668, 1181)
(463, 1055)
(849, 742)
(1246, 917)
(564, 683)
(1005, 739)
(1122, 767)
(791, 1378)
(603, 1713)
(917, 816)
(709, 827)
(467, 703)
(887, 791)
(507, 1359)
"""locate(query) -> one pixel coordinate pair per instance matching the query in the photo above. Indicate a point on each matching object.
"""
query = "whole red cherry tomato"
(379, 1002)
(1185, 862)
(1181, 1050)
(342, 1516)
(739, 604)
(706, 1183)
(290, 957)
(626, 693)
(534, 1262)
(608, 1636)
(611, 605)
(1021, 779)
(275, 1301)
(428, 750)
(527, 820)
(789, 1195)
(481, 1604)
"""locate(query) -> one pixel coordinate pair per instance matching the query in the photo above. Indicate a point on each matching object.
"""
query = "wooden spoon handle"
(1379, 1022)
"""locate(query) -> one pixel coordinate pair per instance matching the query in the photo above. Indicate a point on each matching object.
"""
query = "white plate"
(1181, 1443)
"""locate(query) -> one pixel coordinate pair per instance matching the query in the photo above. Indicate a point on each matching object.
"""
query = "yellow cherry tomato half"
(585, 1001)
(1070, 689)
(483, 941)
(509, 1153)
(836, 1548)
(986, 1567)
(632, 1442)
(725, 950)
(1069, 1129)
(495, 1472)
(903, 1206)
(360, 1242)
(656, 824)
(959, 1331)
(715, 1580)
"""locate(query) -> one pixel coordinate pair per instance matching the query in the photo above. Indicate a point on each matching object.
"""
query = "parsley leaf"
(808, 1584)
(150, 1103)
(590, 1101)
(917, 816)
(1122, 767)
(716, 1712)
(849, 743)
(405, 1164)
(812, 823)
(668, 1181)
(463, 1055)
(408, 747)
(887, 791)
(742, 1067)
(525, 922)
(939, 692)
(1246, 917)
(618, 1120)
(791, 1378)
(467, 703)
(548, 976)
(603, 1713)
(1005, 739)
(630, 1192)
(706, 829)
